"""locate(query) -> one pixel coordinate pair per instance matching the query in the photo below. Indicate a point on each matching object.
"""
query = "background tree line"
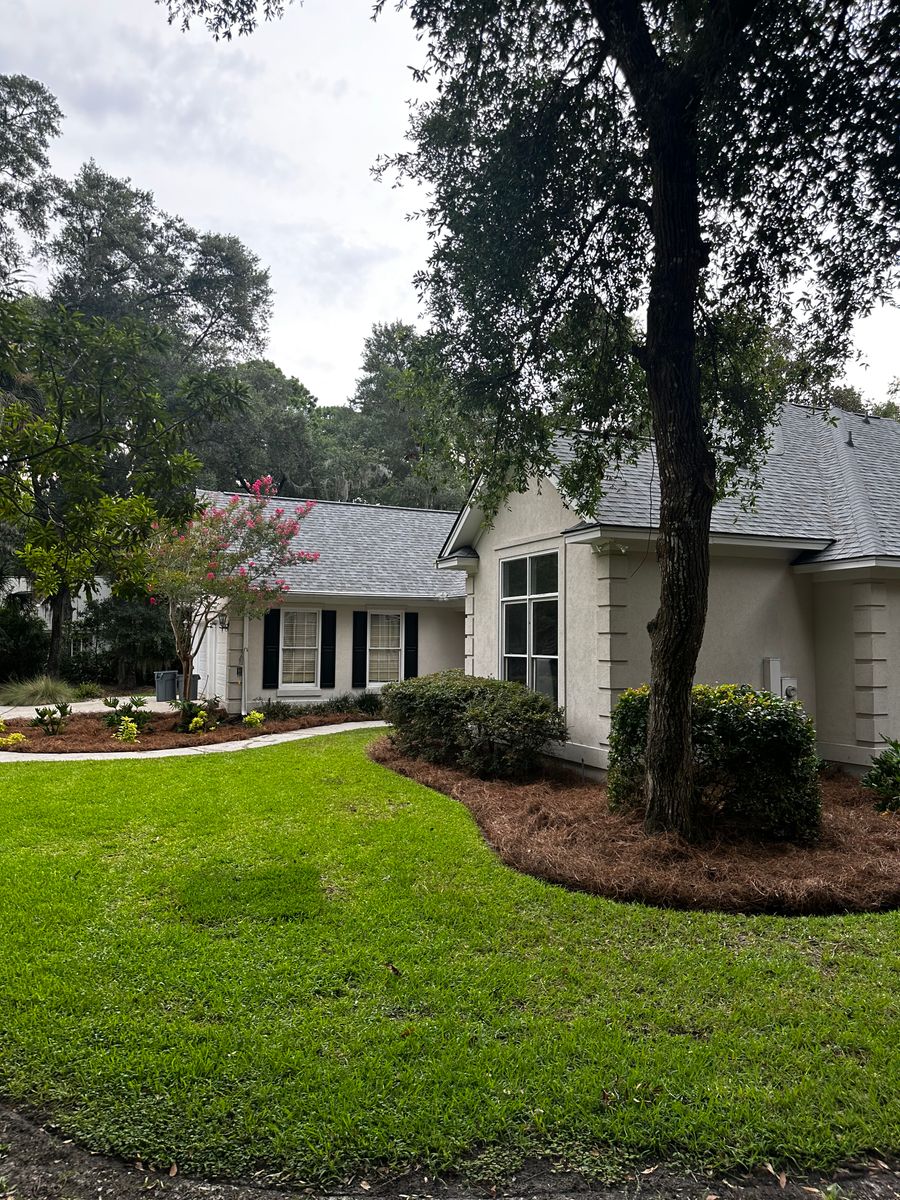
(135, 376)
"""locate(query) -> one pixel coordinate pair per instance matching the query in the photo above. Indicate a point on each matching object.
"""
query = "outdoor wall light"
(223, 620)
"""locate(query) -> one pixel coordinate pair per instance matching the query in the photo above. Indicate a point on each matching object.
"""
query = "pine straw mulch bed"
(86, 733)
(560, 828)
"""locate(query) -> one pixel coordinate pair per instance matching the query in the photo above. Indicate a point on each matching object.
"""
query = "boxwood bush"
(754, 754)
(488, 727)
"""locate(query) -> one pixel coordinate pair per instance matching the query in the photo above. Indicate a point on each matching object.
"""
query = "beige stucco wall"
(835, 702)
(441, 643)
(758, 608)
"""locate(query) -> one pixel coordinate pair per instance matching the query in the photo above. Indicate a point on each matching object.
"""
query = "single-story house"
(804, 592)
(373, 609)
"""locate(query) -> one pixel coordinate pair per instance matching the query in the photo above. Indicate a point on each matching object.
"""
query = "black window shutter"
(271, 647)
(328, 649)
(360, 649)
(410, 645)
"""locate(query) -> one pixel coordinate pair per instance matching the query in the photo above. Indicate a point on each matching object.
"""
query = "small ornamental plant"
(254, 719)
(52, 719)
(229, 557)
(8, 740)
(126, 731)
(202, 723)
(883, 777)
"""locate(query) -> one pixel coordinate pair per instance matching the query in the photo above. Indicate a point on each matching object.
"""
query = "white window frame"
(298, 688)
(528, 599)
(384, 612)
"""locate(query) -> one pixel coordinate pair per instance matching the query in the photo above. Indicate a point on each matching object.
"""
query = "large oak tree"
(711, 165)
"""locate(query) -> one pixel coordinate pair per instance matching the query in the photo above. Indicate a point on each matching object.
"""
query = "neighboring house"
(804, 591)
(21, 588)
(372, 610)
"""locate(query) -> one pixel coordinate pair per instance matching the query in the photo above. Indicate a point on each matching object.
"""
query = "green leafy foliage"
(254, 719)
(134, 709)
(489, 727)
(345, 702)
(24, 641)
(198, 716)
(52, 719)
(131, 638)
(88, 691)
(883, 777)
(754, 755)
(126, 730)
(29, 120)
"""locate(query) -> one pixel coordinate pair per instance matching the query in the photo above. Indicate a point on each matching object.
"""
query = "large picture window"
(299, 647)
(529, 622)
(385, 647)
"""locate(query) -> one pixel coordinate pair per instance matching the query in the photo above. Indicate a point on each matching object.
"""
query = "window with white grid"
(385, 647)
(299, 646)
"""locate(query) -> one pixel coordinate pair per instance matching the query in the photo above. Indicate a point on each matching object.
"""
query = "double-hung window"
(299, 647)
(385, 647)
(529, 622)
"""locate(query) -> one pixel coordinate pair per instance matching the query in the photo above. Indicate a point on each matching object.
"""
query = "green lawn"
(194, 966)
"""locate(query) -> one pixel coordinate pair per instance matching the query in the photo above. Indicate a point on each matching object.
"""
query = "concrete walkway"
(26, 711)
(267, 739)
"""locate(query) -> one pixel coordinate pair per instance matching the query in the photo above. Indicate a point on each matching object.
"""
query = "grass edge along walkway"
(298, 963)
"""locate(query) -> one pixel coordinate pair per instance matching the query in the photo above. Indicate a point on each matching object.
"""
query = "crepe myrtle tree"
(715, 166)
(228, 556)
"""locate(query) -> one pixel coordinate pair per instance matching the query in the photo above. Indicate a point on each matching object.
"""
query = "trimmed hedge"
(488, 727)
(754, 755)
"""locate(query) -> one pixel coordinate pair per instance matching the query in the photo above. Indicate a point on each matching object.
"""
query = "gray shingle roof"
(814, 485)
(370, 550)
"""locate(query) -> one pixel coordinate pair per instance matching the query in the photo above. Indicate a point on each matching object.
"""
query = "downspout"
(245, 659)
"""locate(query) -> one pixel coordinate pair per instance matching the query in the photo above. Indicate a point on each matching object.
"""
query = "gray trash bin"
(195, 684)
(165, 684)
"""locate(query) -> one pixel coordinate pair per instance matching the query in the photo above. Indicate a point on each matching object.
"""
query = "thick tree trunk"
(685, 463)
(187, 670)
(60, 618)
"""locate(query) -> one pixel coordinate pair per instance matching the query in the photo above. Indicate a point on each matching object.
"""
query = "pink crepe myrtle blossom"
(233, 555)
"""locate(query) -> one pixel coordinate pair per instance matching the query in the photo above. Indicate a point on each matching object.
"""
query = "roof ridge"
(443, 512)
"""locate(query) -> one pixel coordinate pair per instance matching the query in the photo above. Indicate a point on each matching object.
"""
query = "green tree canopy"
(114, 254)
(80, 406)
(29, 119)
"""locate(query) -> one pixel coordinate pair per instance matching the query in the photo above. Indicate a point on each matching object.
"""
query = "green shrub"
(52, 720)
(42, 689)
(346, 702)
(88, 691)
(754, 755)
(126, 731)
(254, 719)
(883, 777)
(134, 708)
(197, 716)
(488, 727)
(24, 641)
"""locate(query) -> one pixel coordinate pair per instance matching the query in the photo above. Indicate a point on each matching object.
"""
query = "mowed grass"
(291, 960)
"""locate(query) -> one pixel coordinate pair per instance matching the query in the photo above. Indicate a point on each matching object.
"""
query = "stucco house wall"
(769, 624)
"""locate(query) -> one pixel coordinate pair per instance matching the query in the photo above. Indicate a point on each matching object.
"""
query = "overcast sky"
(272, 138)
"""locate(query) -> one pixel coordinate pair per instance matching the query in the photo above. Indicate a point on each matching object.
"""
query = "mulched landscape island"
(87, 733)
(560, 828)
